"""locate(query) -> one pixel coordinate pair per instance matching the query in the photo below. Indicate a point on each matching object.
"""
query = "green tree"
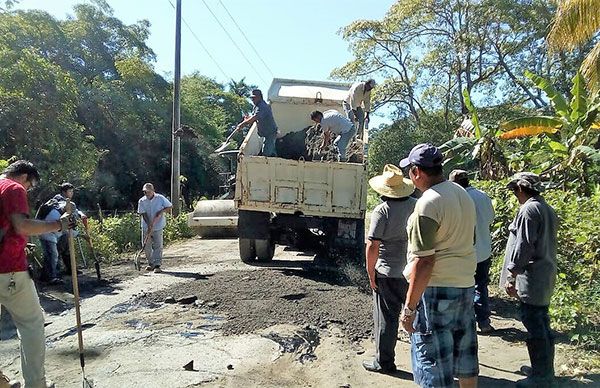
(428, 51)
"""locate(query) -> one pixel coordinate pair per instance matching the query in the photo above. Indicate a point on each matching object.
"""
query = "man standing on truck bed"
(263, 115)
(357, 102)
(334, 122)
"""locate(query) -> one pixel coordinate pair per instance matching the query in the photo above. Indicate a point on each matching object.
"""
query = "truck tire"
(265, 249)
(247, 249)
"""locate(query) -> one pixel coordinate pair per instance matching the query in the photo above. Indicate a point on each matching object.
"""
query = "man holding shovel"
(263, 116)
(152, 207)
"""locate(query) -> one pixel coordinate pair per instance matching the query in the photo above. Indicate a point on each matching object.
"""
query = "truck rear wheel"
(265, 249)
(247, 249)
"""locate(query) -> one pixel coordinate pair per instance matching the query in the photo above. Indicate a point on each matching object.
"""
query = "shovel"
(225, 143)
(137, 260)
(85, 381)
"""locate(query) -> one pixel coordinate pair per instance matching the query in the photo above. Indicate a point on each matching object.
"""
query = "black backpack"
(46, 208)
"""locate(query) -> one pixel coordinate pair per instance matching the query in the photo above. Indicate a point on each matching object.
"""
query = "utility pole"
(176, 139)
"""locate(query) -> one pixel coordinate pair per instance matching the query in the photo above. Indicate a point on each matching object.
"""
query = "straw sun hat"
(392, 183)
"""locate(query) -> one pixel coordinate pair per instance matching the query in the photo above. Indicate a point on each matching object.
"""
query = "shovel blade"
(222, 147)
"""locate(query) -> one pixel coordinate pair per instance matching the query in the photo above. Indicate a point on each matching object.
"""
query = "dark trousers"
(481, 300)
(387, 306)
(540, 341)
(63, 251)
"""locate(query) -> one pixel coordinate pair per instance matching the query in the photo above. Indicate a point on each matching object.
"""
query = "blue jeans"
(341, 142)
(444, 344)
(50, 258)
(268, 148)
(481, 300)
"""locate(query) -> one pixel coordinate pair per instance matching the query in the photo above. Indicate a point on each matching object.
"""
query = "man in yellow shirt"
(440, 270)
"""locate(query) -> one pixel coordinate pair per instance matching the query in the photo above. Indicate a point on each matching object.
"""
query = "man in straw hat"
(386, 258)
(441, 266)
(529, 273)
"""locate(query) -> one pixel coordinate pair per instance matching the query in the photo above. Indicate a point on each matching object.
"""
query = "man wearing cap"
(357, 104)
(386, 258)
(152, 207)
(529, 272)
(483, 248)
(263, 116)
(333, 122)
(441, 265)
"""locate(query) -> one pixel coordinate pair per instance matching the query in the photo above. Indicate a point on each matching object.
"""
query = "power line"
(202, 45)
(245, 37)
(233, 41)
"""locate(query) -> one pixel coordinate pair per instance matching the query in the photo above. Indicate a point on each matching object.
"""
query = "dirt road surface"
(291, 323)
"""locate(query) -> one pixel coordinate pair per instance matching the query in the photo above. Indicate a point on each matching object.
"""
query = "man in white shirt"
(483, 248)
(152, 207)
(357, 104)
(333, 122)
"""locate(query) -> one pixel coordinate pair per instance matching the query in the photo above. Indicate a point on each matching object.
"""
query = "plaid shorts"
(444, 344)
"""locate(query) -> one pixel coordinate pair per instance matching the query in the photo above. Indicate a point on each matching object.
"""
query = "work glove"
(67, 221)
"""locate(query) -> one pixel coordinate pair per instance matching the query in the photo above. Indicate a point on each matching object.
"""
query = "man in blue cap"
(440, 271)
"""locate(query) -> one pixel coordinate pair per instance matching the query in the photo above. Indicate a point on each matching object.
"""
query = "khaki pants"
(22, 302)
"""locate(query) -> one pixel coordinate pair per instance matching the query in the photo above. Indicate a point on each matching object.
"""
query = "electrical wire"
(233, 41)
(202, 45)
(247, 40)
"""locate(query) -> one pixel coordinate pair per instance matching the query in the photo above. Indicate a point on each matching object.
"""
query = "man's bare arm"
(29, 227)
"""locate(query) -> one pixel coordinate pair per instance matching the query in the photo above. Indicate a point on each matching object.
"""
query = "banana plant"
(475, 146)
(570, 138)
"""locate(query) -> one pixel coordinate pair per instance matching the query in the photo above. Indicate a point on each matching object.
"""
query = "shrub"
(121, 234)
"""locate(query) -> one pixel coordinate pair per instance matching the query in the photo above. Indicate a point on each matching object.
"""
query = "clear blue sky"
(296, 39)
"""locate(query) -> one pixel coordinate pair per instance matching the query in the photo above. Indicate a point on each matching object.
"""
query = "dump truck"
(300, 203)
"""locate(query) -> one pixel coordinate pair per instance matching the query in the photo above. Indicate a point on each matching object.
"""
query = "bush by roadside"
(121, 234)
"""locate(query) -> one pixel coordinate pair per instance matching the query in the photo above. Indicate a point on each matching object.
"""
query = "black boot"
(541, 355)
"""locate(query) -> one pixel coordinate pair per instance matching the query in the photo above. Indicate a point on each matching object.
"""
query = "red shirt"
(13, 200)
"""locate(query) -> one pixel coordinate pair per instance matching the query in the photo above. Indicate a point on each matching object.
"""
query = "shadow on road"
(188, 275)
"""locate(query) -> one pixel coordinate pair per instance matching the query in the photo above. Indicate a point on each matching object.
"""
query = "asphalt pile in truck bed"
(308, 144)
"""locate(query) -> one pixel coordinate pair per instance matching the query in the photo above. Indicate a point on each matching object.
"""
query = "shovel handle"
(70, 238)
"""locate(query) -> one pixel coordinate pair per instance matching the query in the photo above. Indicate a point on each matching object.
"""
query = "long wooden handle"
(71, 241)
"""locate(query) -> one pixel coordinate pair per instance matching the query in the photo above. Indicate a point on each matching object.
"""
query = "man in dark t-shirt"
(263, 115)
(17, 290)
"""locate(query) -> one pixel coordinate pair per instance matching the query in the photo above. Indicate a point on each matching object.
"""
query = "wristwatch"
(408, 312)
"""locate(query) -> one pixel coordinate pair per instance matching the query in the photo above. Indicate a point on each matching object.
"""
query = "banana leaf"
(579, 100)
(529, 126)
(474, 116)
(559, 102)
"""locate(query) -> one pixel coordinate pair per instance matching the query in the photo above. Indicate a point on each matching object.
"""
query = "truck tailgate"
(295, 186)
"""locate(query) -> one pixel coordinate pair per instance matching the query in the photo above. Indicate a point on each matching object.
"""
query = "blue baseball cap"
(424, 155)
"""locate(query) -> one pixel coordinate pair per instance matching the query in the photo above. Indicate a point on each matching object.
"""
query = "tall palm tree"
(575, 23)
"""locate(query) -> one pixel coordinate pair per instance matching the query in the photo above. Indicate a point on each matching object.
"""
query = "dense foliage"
(80, 98)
